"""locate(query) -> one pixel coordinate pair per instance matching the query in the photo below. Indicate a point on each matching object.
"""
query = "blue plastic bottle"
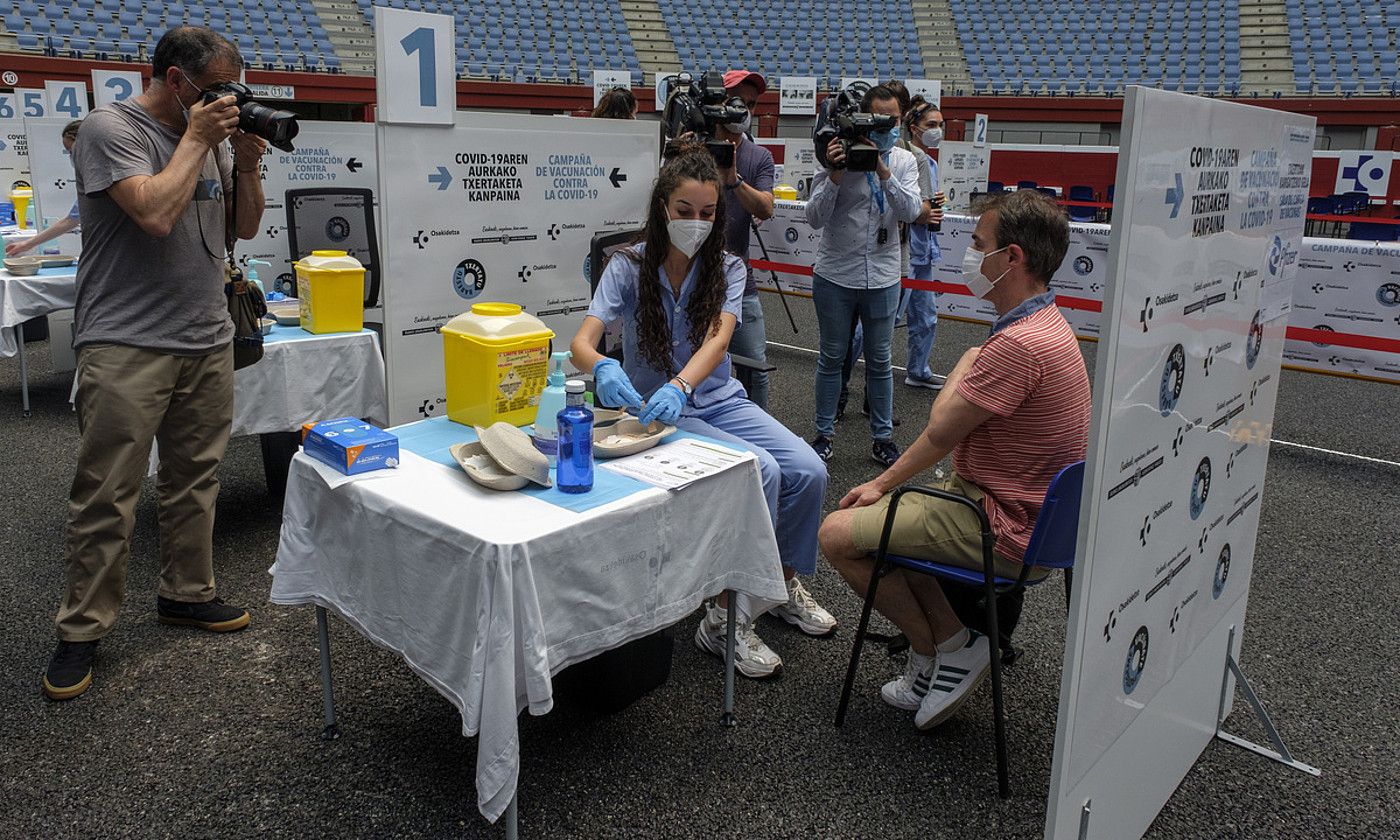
(575, 471)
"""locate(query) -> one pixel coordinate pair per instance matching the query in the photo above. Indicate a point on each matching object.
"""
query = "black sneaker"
(214, 616)
(884, 452)
(865, 409)
(822, 445)
(70, 670)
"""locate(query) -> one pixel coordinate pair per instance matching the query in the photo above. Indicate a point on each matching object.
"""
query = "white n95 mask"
(972, 272)
(932, 137)
(688, 234)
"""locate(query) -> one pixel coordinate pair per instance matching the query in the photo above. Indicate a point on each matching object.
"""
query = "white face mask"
(688, 234)
(741, 127)
(932, 137)
(972, 272)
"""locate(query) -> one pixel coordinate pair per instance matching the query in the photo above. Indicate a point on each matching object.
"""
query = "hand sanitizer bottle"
(552, 402)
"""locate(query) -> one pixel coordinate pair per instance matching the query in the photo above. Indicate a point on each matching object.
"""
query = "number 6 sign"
(415, 63)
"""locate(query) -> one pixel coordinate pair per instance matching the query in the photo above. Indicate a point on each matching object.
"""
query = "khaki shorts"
(927, 528)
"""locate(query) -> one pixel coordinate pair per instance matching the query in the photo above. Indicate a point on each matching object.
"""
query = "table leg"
(332, 729)
(727, 718)
(512, 819)
(278, 449)
(23, 369)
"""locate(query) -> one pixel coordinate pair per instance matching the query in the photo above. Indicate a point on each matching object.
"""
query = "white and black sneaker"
(803, 611)
(752, 657)
(957, 674)
(908, 690)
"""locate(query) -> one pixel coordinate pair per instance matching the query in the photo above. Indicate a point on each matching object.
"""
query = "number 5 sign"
(415, 64)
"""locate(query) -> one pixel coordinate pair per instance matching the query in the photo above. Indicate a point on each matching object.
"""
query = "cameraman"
(154, 341)
(857, 271)
(748, 186)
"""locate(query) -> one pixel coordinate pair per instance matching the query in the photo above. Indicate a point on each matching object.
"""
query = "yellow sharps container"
(331, 291)
(497, 359)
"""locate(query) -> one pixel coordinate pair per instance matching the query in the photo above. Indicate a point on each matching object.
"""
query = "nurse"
(679, 296)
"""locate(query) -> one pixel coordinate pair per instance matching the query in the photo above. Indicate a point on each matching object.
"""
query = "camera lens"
(276, 127)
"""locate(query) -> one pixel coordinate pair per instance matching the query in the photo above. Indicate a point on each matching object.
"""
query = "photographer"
(749, 184)
(857, 271)
(154, 340)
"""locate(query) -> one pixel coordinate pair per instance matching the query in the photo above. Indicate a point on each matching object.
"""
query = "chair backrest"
(1056, 531)
(604, 245)
(338, 218)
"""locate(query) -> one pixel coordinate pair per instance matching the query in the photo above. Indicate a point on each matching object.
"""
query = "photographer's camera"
(698, 109)
(276, 127)
(840, 118)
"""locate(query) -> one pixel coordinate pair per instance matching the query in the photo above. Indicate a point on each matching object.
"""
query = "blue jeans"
(750, 340)
(837, 308)
(794, 478)
(923, 324)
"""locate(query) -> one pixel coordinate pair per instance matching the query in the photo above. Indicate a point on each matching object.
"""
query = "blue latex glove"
(665, 405)
(612, 387)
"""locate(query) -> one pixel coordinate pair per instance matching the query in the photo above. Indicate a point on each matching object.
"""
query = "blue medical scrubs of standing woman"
(679, 296)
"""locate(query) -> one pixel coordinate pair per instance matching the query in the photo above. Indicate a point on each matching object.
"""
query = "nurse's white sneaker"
(803, 611)
(957, 674)
(752, 658)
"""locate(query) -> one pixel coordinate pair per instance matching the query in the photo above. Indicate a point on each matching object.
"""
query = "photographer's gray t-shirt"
(163, 293)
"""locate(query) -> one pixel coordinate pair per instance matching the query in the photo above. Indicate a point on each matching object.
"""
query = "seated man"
(1013, 412)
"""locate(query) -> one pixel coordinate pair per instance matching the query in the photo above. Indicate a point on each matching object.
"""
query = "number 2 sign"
(415, 62)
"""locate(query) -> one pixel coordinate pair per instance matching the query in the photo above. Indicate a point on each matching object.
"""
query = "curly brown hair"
(703, 309)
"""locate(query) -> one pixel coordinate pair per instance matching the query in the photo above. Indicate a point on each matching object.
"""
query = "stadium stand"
(1345, 48)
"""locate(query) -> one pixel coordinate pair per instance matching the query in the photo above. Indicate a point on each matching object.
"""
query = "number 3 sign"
(415, 62)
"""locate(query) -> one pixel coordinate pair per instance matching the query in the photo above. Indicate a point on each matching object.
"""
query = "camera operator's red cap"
(734, 78)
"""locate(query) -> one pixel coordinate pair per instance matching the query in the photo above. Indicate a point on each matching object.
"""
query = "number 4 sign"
(415, 63)
(67, 99)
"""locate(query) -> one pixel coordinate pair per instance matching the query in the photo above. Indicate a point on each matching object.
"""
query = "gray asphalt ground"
(193, 735)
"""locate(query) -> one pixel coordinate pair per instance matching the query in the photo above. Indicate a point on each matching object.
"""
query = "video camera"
(699, 108)
(840, 117)
(276, 127)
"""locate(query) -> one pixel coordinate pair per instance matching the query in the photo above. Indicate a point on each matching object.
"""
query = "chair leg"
(998, 706)
(875, 574)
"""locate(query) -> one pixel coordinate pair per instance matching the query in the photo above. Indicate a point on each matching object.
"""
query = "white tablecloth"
(305, 377)
(22, 298)
(488, 594)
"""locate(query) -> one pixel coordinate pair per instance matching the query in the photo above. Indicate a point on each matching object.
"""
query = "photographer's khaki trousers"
(127, 397)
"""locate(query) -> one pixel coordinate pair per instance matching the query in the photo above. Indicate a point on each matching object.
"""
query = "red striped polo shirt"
(1031, 377)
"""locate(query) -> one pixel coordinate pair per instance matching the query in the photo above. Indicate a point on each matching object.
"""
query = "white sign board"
(1208, 224)
(847, 81)
(606, 80)
(275, 91)
(1347, 287)
(328, 155)
(979, 130)
(797, 95)
(502, 207)
(930, 89)
(32, 103)
(415, 62)
(1363, 172)
(66, 99)
(110, 86)
(51, 169)
(962, 170)
(14, 157)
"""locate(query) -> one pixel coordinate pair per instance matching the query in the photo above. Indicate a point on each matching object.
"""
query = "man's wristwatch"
(738, 179)
(685, 385)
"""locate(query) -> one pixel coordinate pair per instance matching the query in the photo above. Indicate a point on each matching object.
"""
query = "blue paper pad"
(431, 439)
(59, 271)
(280, 334)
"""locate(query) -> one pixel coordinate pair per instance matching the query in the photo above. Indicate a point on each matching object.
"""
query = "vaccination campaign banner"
(962, 171)
(1201, 261)
(14, 156)
(51, 171)
(500, 208)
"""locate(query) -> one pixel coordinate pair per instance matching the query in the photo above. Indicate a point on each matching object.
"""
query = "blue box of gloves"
(352, 446)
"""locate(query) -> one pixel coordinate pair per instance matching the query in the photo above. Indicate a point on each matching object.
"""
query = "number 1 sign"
(415, 62)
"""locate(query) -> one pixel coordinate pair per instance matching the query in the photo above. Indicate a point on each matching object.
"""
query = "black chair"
(603, 246)
(336, 218)
(1052, 545)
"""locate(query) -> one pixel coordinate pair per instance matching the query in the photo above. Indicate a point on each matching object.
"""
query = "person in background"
(749, 183)
(924, 123)
(616, 104)
(67, 224)
(154, 341)
(1013, 413)
(679, 296)
(857, 272)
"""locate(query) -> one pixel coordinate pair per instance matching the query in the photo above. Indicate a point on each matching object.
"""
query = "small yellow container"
(497, 360)
(331, 292)
(20, 197)
(785, 191)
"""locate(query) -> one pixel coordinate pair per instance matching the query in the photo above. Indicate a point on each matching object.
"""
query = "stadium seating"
(819, 38)
(1346, 48)
(1098, 46)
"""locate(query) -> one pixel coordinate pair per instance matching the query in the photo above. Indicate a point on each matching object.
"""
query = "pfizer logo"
(468, 279)
(1083, 265)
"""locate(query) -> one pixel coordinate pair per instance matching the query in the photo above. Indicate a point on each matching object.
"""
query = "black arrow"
(617, 177)
(354, 165)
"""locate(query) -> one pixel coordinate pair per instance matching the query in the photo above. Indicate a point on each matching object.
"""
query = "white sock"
(920, 662)
(954, 642)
